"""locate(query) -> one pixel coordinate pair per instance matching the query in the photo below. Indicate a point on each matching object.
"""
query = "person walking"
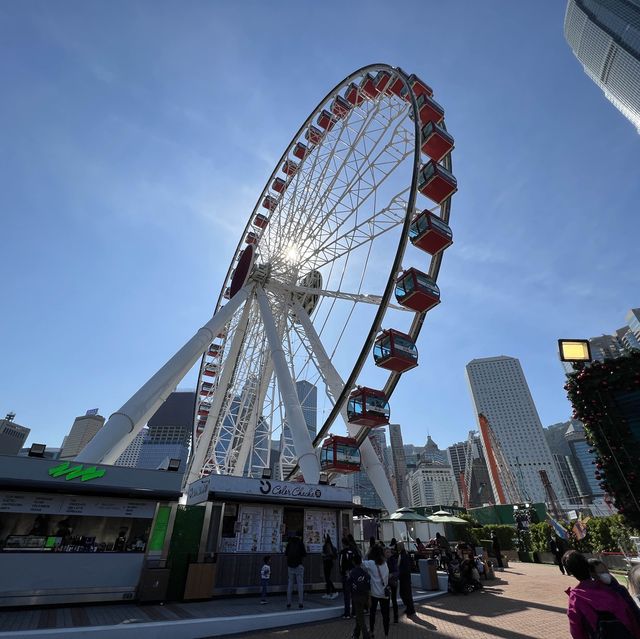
(359, 585)
(391, 555)
(265, 575)
(595, 609)
(556, 547)
(376, 566)
(329, 554)
(495, 543)
(346, 562)
(404, 580)
(295, 554)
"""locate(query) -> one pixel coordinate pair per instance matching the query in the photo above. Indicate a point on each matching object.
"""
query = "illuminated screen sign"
(66, 470)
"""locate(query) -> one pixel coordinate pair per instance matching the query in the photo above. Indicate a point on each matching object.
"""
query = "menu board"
(43, 503)
(249, 528)
(318, 524)
(271, 539)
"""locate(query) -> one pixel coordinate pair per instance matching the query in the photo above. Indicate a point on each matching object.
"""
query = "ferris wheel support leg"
(123, 425)
(370, 460)
(307, 459)
(202, 446)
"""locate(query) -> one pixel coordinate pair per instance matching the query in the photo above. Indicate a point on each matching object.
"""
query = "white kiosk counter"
(72, 533)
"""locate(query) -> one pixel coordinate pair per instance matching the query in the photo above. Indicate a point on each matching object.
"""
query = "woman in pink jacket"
(593, 604)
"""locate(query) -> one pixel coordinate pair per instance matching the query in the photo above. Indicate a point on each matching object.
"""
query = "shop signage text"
(287, 490)
(72, 472)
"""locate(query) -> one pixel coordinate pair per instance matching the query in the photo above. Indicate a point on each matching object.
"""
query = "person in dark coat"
(495, 542)
(295, 554)
(404, 579)
(346, 561)
(391, 556)
(329, 553)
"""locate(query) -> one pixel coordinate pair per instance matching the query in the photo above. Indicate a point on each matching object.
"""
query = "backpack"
(360, 581)
(608, 626)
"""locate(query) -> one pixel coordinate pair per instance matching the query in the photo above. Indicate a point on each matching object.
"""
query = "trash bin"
(428, 573)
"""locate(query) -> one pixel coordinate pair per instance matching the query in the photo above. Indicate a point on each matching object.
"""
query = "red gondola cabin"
(430, 233)
(270, 202)
(354, 95)
(368, 407)
(436, 182)
(436, 142)
(278, 185)
(368, 86)
(397, 87)
(395, 351)
(381, 81)
(429, 110)
(290, 168)
(419, 87)
(339, 454)
(227, 293)
(206, 388)
(314, 135)
(260, 221)
(340, 106)
(301, 151)
(417, 291)
(210, 370)
(214, 350)
(326, 120)
(251, 238)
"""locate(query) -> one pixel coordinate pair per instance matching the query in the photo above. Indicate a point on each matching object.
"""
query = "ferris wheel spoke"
(316, 198)
(301, 291)
(344, 202)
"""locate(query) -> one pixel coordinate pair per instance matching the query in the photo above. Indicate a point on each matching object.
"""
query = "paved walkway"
(527, 601)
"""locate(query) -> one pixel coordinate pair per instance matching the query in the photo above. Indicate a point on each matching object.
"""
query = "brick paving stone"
(527, 601)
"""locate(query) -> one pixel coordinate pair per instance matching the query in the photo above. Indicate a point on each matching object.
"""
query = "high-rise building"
(605, 36)
(432, 453)
(308, 398)
(131, 454)
(82, 432)
(576, 438)
(169, 433)
(500, 391)
(433, 483)
(12, 435)
(360, 483)
(479, 489)
(399, 462)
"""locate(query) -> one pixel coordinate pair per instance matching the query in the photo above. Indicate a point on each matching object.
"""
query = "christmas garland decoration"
(592, 390)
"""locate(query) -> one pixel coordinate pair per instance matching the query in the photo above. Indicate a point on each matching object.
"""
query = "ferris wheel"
(327, 290)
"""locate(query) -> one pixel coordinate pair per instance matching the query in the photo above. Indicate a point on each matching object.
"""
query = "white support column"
(370, 460)
(201, 447)
(123, 425)
(307, 459)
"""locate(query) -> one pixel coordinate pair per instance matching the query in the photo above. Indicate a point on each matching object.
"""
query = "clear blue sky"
(136, 136)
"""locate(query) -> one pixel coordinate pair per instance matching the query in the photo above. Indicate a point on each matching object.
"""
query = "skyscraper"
(605, 37)
(82, 432)
(12, 435)
(433, 483)
(131, 454)
(399, 462)
(499, 390)
(169, 433)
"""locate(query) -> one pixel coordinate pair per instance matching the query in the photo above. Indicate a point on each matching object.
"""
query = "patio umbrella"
(446, 519)
(407, 515)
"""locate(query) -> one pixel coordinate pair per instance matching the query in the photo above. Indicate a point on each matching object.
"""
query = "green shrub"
(540, 534)
(506, 535)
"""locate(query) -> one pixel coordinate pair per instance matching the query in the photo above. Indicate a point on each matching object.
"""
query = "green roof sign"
(73, 472)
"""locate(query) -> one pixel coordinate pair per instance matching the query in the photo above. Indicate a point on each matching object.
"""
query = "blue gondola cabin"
(395, 351)
(436, 142)
(436, 183)
(417, 291)
(430, 233)
(368, 407)
(340, 455)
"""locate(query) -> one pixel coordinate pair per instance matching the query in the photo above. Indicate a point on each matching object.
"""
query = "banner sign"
(51, 504)
(266, 489)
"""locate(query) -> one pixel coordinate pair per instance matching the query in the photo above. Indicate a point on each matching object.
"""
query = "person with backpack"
(346, 562)
(359, 585)
(329, 553)
(378, 571)
(404, 580)
(295, 554)
(595, 610)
